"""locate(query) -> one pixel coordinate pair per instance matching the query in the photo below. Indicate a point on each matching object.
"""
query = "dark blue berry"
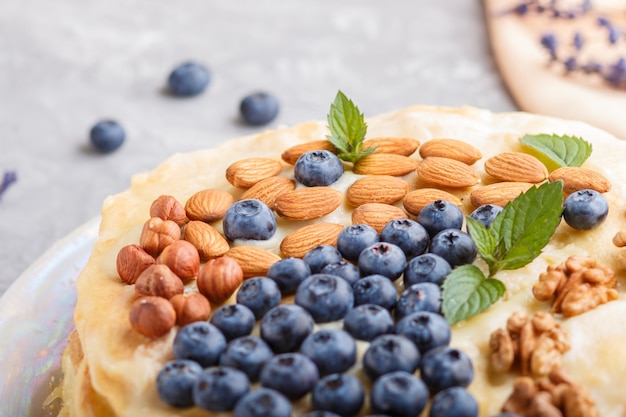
(408, 235)
(259, 294)
(259, 108)
(375, 289)
(454, 402)
(263, 402)
(219, 388)
(368, 321)
(285, 327)
(249, 219)
(201, 342)
(176, 380)
(233, 320)
(188, 79)
(326, 297)
(383, 259)
(455, 246)
(440, 215)
(354, 238)
(446, 367)
(585, 209)
(292, 374)
(426, 268)
(289, 273)
(320, 256)
(317, 168)
(107, 135)
(399, 394)
(332, 350)
(486, 214)
(248, 354)
(425, 329)
(389, 353)
(342, 394)
(344, 270)
(424, 296)
(321, 413)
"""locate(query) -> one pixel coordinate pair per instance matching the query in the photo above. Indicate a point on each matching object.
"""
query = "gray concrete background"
(66, 64)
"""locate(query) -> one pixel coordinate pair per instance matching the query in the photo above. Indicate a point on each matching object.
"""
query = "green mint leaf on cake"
(347, 127)
(561, 150)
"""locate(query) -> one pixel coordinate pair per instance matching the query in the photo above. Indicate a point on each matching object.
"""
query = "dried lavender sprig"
(527, 6)
(549, 41)
(9, 178)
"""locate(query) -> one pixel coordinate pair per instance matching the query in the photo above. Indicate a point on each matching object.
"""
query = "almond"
(302, 240)
(451, 148)
(291, 155)
(416, 200)
(268, 189)
(208, 205)
(446, 172)
(498, 193)
(252, 260)
(516, 166)
(377, 215)
(308, 203)
(247, 172)
(376, 189)
(207, 240)
(577, 178)
(398, 146)
(384, 164)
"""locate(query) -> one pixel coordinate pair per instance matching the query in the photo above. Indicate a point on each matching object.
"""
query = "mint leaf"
(562, 150)
(467, 292)
(485, 242)
(347, 127)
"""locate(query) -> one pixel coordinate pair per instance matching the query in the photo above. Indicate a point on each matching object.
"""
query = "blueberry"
(375, 289)
(332, 350)
(383, 259)
(263, 402)
(175, 382)
(354, 238)
(368, 321)
(585, 209)
(249, 219)
(344, 270)
(320, 256)
(389, 353)
(455, 246)
(259, 108)
(292, 374)
(454, 402)
(233, 320)
(399, 394)
(408, 235)
(340, 393)
(320, 413)
(201, 342)
(425, 329)
(426, 268)
(446, 367)
(424, 296)
(440, 215)
(326, 297)
(486, 214)
(219, 388)
(259, 294)
(289, 273)
(317, 168)
(188, 79)
(107, 135)
(248, 354)
(285, 327)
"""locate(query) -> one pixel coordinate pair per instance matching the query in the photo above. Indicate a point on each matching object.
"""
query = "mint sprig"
(347, 127)
(516, 237)
(561, 150)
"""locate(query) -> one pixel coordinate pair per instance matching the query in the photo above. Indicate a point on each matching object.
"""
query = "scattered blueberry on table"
(107, 135)
(188, 79)
(258, 109)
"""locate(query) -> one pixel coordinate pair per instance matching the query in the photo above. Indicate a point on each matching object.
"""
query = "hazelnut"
(209, 242)
(132, 260)
(152, 316)
(182, 258)
(190, 308)
(157, 234)
(167, 207)
(158, 280)
(219, 278)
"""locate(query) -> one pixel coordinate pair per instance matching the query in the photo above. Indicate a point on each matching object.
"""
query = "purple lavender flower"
(9, 178)
(570, 64)
(617, 74)
(578, 41)
(603, 22)
(591, 67)
(549, 42)
(614, 34)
